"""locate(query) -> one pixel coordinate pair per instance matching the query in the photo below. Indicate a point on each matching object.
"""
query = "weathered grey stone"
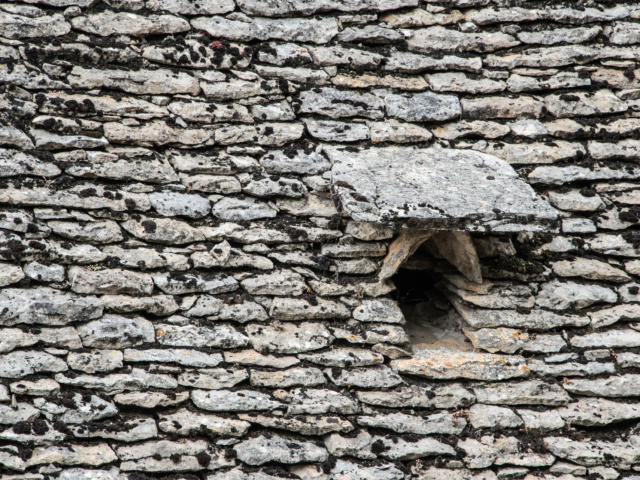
(84, 280)
(386, 199)
(129, 430)
(542, 421)
(261, 450)
(274, 187)
(614, 386)
(14, 162)
(624, 33)
(156, 133)
(46, 306)
(558, 295)
(237, 474)
(13, 137)
(92, 455)
(421, 107)
(398, 132)
(170, 204)
(185, 7)
(300, 309)
(459, 82)
(627, 149)
(619, 338)
(124, 23)
(441, 39)
(364, 377)
(170, 456)
(288, 337)
(560, 35)
(177, 284)
(236, 401)
(434, 473)
(583, 104)
(95, 361)
(212, 378)
(218, 336)
(304, 425)
(379, 310)
(21, 363)
(43, 387)
(336, 55)
(301, 162)
(532, 153)
(216, 309)
(358, 446)
(257, 28)
(561, 175)
(489, 416)
(181, 356)
(316, 401)
(453, 131)
(344, 357)
(118, 382)
(112, 331)
(94, 232)
(151, 82)
(502, 107)
(185, 422)
(251, 357)
(530, 392)
(22, 26)
(399, 449)
(280, 282)
(156, 305)
(150, 399)
(51, 141)
(574, 201)
(611, 315)
(287, 378)
(592, 412)
(443, 364)
(594, 452)
(163, 230)
(12, 338)
(332, 102)
(269, 134)
(570, 368)
(10, 274)
(589, 269)
(440, 423)
(242, 209)
(628, 359)
(506, 340)
(332, 131)
(21, 412)
(264, 7)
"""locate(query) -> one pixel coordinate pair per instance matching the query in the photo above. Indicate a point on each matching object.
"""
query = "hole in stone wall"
(432, 322)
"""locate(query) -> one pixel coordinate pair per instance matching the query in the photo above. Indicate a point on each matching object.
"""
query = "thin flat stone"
(444, 365)
(432, 187)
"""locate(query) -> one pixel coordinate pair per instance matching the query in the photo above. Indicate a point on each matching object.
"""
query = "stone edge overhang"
(356, 191)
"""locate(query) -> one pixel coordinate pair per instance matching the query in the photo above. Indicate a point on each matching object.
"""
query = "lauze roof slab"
(435, 188)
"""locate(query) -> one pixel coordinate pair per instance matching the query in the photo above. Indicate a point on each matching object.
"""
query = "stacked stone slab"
(182, 298)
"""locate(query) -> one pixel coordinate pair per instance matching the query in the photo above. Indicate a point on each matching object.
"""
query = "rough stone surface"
(197, 199)
(394, 199)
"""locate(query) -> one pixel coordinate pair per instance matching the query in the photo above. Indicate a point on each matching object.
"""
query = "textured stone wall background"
(181, 299)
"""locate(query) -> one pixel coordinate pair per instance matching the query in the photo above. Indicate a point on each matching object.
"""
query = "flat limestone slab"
(435, 188)
(447, 365)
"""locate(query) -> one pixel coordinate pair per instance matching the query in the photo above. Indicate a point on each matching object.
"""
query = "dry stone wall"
(181, 299)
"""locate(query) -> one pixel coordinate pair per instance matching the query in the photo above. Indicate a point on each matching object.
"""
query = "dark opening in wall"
(432, 322)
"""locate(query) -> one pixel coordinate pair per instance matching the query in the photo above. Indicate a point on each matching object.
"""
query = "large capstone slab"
(435, 188)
